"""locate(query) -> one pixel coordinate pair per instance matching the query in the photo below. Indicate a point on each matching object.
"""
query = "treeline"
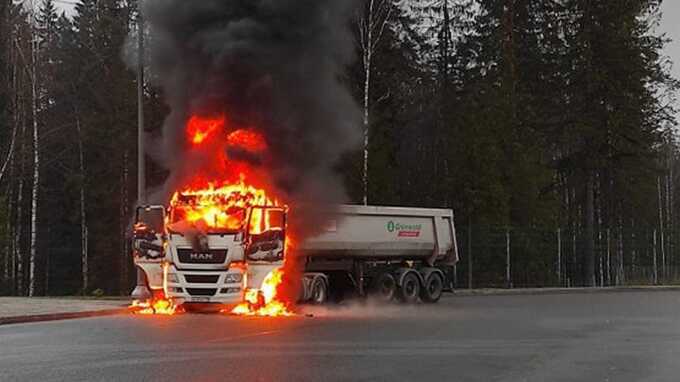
(525, 115)
(515, 113)
(68, 137)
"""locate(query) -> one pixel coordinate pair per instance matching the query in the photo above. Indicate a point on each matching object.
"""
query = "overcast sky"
(669, 25)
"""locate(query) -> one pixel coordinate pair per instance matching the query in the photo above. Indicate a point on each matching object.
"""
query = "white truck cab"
(193, 262)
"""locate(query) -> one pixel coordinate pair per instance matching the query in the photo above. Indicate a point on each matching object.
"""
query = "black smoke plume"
(272, 64)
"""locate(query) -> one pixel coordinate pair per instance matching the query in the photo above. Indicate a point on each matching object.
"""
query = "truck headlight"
(172, 278)
(233, 278)
(230, 290)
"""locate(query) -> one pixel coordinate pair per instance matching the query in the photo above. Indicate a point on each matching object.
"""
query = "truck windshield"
(212, 219)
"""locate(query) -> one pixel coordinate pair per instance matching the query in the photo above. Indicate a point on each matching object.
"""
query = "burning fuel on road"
(266, 300)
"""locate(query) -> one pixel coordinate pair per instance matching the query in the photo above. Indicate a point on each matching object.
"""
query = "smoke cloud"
(273, 65)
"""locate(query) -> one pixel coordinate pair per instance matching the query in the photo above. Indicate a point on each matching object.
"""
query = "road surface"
(632, 336)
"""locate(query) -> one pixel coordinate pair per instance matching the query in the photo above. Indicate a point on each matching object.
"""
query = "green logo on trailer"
(404, 229)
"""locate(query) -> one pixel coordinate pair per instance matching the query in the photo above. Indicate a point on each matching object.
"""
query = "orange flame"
(160, 305)
(264, 301)
(247, 140)
(221, 207)
(199, 129)
(224, 202)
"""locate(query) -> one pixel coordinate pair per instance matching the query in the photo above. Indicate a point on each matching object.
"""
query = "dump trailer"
(398, 253)
(392, 253)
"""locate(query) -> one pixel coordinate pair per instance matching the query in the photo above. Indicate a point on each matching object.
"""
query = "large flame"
(222, 202)
(219, 207)
(265, 301)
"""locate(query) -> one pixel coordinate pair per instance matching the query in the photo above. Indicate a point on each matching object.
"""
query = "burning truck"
(226, 242)
(392, 253)
(250, 215)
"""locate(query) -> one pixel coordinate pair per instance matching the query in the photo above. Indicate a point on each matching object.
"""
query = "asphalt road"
(632, 336)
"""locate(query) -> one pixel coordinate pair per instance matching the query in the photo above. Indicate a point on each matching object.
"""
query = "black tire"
(384, 287)
(433, 288)
(410, 288)
(319, 291)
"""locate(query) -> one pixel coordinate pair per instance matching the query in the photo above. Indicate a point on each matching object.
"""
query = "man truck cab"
(189, 260)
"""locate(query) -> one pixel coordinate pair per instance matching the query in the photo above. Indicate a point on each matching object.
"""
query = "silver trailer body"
(387, 233)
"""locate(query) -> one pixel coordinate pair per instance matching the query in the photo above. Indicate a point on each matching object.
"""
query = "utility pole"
(141, 163)
(559, 257)
(508, 277)
(661, 229)
(469, 254)
(609, 264)
(141, 290)
(655, 274)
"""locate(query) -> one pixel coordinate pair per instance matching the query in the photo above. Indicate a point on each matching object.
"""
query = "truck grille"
(201, 291)
(212, 256)
(202, 279)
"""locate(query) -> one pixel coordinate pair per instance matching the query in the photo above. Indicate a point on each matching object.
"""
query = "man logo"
(390, 226)
(201, 256)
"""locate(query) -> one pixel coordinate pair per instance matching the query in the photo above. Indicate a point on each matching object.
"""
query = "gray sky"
(66, 5)
(670, 26)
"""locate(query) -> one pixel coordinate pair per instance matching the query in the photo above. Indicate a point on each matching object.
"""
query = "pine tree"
(5, 91)
(106, 108)
(614, 115)
(6, 135)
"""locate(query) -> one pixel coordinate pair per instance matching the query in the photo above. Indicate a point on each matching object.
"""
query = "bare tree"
(30, 68)
(18, 249)
(371, 20)
(10, 163)
(20, 118)
(124, 222)
(10, 153)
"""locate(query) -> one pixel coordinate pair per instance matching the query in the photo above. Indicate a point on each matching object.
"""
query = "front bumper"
(191, 286)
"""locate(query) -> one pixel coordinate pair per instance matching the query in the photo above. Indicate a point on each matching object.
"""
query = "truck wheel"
(410, 288)
(319, 291)
(433, 288)
(385, 287)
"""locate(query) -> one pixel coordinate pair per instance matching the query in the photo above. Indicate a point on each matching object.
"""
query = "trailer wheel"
(433, 288)
(385, 287)
(319, 291)
(410, 288)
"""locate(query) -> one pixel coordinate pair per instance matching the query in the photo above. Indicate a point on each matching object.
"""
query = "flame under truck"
(392, 253)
